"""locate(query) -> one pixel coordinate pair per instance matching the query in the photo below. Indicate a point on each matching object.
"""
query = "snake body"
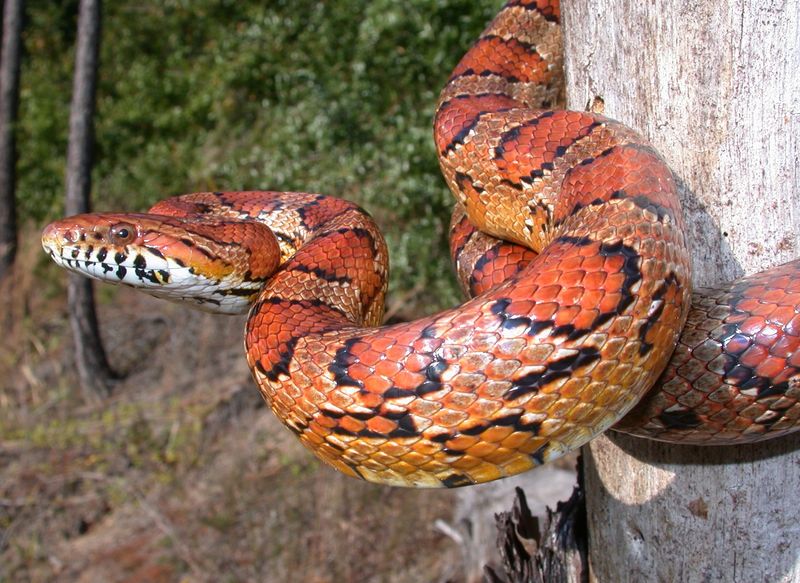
(568, 232)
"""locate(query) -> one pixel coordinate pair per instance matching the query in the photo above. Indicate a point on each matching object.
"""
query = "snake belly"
(568, 232)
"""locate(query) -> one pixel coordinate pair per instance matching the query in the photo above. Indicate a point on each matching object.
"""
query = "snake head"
(217, 265)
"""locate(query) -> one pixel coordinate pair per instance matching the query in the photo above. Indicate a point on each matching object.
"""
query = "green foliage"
(334, 97)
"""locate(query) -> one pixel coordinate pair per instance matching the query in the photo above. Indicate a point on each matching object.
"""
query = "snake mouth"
(113, 273)
(137, 272)
(153, 274)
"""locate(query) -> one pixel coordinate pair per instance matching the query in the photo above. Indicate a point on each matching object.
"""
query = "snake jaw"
(139, 252)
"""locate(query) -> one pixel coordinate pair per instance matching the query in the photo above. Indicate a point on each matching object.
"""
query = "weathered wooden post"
(716, 87)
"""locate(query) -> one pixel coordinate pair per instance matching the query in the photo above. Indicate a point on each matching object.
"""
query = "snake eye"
(121, 233)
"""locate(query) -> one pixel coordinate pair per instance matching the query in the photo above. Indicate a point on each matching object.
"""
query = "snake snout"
(52, 238)
(59, 235)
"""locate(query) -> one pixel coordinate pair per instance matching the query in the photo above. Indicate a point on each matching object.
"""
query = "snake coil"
(568, 234)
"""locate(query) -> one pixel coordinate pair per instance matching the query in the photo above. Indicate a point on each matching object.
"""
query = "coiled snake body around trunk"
(568, 231)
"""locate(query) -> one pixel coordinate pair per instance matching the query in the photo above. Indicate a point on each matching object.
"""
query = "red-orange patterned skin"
(569, 233)
(734, 375)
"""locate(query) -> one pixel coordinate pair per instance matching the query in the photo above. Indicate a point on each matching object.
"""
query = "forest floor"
(182, 474)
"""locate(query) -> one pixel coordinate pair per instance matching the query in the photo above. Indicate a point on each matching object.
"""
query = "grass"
(183, 474)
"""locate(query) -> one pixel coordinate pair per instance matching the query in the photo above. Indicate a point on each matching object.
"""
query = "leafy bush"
(334, 97)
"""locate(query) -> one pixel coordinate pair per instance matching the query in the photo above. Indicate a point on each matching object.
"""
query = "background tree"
(9, 101)
(90, 358)
(715, 89)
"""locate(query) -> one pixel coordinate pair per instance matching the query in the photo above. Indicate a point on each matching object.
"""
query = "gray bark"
(715, 87)
(9, 101)
(94, 372)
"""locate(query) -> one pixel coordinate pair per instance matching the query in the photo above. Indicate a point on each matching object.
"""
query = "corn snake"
(575, 316)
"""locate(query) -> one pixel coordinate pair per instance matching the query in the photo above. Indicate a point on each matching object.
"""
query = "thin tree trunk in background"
(94, 372)
(9, 101)
(715, 86)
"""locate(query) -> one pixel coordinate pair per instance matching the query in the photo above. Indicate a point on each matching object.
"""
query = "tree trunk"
(94, 372)
(9, 101)
(715, 87)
